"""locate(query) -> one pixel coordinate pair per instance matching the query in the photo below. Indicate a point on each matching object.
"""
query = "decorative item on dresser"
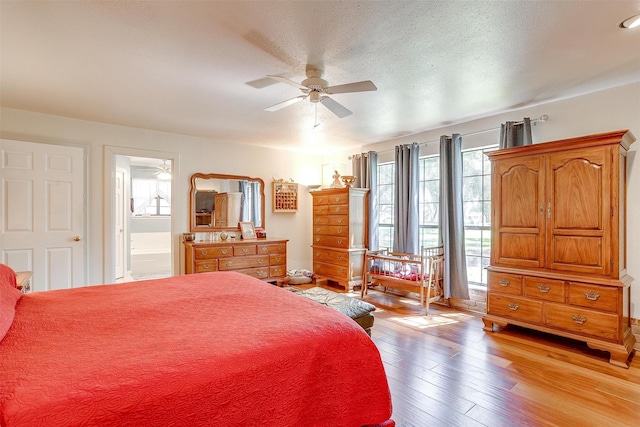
(340, 223)
(265, 259)
(558, 243)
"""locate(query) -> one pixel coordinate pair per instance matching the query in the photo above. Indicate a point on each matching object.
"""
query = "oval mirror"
(220, 202)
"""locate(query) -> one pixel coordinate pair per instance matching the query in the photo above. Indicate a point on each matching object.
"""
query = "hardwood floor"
(444, 370)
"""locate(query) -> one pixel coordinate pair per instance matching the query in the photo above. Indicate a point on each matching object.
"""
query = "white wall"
(599, 112)
(195, 155)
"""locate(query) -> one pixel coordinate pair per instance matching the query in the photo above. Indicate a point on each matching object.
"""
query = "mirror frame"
(192, 200)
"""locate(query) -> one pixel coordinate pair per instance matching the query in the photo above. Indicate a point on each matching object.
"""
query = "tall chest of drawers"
(265, 259)
(558, 241)
(340, 224)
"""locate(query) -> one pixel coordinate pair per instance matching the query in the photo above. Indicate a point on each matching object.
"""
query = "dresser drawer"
(258, 273)
(207, 265)
(277, 259)
(338, 209)
(331, 241)
(331, 230)
(517, 308)
(505, 283)
(240, 262)
(279, 248)
(544, 289)
(242, 250)
(339, 199)
(331, 257)
(320, 200)
(213, 252)
(594, 296)
(320, 210)
(321, 220)
(277, 271)
(331, 271)
(582, 321)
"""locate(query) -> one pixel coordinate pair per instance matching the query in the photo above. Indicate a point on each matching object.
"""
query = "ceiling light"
(631, 22)
(164, 176)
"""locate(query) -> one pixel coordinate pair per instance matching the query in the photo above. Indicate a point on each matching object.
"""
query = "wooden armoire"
(340, 224)
(558, 242)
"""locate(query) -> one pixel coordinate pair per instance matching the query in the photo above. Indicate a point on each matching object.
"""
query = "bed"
(421, 273)
(209, 349)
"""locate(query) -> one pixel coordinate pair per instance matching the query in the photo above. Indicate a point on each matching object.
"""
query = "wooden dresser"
(340, 221)
(264, 259)
(558, 243)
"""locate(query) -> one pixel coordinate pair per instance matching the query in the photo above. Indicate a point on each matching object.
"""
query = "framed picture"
(248, 231)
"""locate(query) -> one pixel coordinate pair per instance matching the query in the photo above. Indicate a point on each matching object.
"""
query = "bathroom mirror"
(219, 202)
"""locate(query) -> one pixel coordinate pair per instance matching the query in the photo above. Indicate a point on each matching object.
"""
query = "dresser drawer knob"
(278, 259)
(504, 282)
(339, 230)
(279, 247)
(513, 306)
(224, 251)
(245, 250)
(339, 220)
(591, 295)
(339, 257)
(263, 249)
(338, 209)
(229, 263)
(207, 266)
(578, 319)
(317, 239)
(262, 274)
(544, 288)
(203, 252)
(339, 241)
(260, 260)
(318, 229)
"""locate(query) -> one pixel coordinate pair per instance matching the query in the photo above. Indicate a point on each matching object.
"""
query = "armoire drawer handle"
(338, 209)
(339, 241)
(340, 231)
(278, 259)
(513, 306)
(339, 257)
(578, 319)
(318, 229)
(591, 295)
(544, 288)
(504, 282)
(339, 220)
(279, 247)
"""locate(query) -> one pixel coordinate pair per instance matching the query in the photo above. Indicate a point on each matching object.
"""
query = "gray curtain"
(243, 186)
(406, 230)
(516, 134)
(365, 169)
(452, 218)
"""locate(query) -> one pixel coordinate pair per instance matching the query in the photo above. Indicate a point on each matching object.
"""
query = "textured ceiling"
(198, 68)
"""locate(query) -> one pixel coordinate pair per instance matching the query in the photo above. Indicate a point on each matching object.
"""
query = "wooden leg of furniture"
(488, 324)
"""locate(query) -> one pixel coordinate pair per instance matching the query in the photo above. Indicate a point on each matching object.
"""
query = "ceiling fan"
(164, 171)
(317, 90)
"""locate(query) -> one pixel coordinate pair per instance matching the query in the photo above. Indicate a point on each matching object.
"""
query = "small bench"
(359, 311)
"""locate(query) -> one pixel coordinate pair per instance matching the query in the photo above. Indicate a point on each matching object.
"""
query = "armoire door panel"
(578, 221)
(518, 224)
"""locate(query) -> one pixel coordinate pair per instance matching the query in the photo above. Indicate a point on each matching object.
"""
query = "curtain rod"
(542, 118)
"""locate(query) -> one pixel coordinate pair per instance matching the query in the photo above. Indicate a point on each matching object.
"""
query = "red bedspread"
(215, 349)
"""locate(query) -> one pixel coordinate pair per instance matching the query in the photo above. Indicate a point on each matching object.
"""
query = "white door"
(42, 207)
(119, 224)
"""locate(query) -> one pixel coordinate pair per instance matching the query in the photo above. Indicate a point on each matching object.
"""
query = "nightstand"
(23, 280)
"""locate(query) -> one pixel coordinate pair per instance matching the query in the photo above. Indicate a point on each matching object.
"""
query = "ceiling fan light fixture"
(164, 176)
(631, 22)
(314, 96)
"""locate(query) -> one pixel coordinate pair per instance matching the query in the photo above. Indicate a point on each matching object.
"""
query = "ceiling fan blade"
(286, 103)
(363, 86)
(289, 82)
(335, 107)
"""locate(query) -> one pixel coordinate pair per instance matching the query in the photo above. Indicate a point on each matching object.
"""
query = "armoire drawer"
(331, 241)
(331, 271)
(331, 230)
(603, 298)
(505, 283)
(517, 308)
(331, 257)
(544, 289)
(582, 321)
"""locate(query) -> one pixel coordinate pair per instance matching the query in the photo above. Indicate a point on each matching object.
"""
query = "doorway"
(139, 233)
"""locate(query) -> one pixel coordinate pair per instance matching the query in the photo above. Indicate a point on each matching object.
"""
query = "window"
(386, 179)
(476, 197)
(150, 197)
